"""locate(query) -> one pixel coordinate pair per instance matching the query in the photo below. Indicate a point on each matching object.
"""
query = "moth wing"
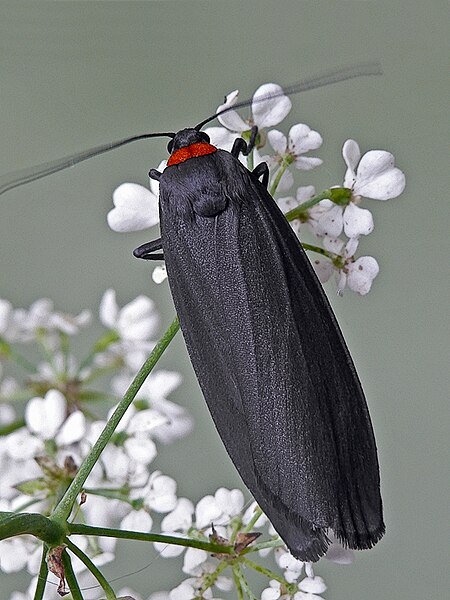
(272, 364)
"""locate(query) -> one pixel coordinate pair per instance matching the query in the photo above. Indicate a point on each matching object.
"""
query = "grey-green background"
(76, 74)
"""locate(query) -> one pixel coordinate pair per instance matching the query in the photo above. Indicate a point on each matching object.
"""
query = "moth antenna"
(12, 180)
(312, 83)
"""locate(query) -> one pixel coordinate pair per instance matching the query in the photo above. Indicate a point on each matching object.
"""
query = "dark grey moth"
(265, 345)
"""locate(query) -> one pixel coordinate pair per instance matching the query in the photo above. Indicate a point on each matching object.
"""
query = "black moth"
(265, 345)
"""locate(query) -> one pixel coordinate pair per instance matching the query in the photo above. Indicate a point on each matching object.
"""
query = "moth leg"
(146, 250)
(262, 170)
(154, 174)
(241, 145)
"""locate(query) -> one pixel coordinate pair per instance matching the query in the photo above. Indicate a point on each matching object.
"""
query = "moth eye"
(170, 147)
(204, 136)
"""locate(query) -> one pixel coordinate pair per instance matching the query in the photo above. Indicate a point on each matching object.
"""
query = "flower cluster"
(334, 216)
(50, 421)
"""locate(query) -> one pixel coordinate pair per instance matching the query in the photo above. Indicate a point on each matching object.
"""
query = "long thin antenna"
(312, 83)
(23, 176)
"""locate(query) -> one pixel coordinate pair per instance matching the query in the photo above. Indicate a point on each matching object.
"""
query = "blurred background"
(77, 74)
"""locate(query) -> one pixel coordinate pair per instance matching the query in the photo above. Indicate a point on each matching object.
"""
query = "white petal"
(333, 244)
(159, 274)
(162, 383)
(286, 181)
(305, 192)
(278, 141)
(109, 309)
(206, 512)
(44, 416)
(231, 119)
(135, 208)
(168, 550)
(323, 268)
(377, 177)
(72, 430)
(230, 502)
(361, 274)
(312, 585)
(271, 111)
(145, 421)
(330, 223)
(138, 319)
(357, 221)
(180, 519)
(221, 137)
(350, 247)
(22, 445)
(303, 139)
(193, 559)
(142, 450)
(137, 520)
(351, 154)
(306, 163)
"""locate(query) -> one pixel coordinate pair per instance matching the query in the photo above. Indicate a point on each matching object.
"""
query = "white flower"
(264, 113)
(6, 311)
(303, 194)
(357, 274)
(292, 567)
(180, 518)
(159, 274)
(218, 509)
(372, 176)
(137, 520)
(249, 514)
(44, 416)
(136, 321)
(135, 207)
(312, 585)
(159, 494)
(301, 139)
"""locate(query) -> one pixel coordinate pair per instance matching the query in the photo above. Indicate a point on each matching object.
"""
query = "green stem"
(237, 583)
(340, 196)
(42, 576)
(71, 577)
(211, 578)
(110, 595)
(250, 161)
(257, 513)
(42, 527)
(81, 529)
(62, 511)
(244, 585)
(264, 571)
(319, 250)
(273, 188)
(299, 211)
(12, 354)
(7, 429)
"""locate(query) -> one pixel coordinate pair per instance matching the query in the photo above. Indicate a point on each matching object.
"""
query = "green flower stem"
(244, 585)
(211, 578)
(331, 255)
(110, 595)
(113, 494)
(263, 545)
(264, 571)
(42, 576)
(62, 511)
(273, 188)
(45, 529)
(7, 429)
(237, 583)
(340, 196)
(100, 346)
(81, 529)
(10, 353)
(70, 577)
(257, 513)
